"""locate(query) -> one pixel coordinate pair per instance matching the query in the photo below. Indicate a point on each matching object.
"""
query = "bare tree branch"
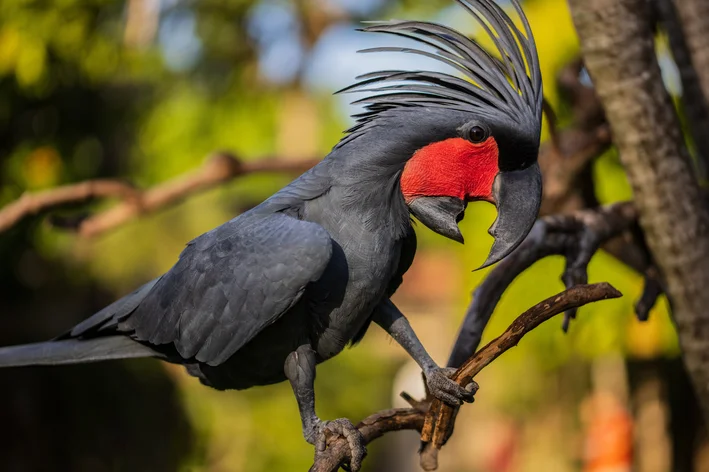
(221, 167)
(376, 425)
(652, 289)
(576, 236)
(566, 160)
(438, 425)
(38, 202)
(695, 20)
(567, 164)
(372, 427)
(689, 42)
(691, 20)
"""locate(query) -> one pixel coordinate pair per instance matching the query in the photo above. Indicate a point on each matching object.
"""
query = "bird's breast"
(363, 265)
(369, 269)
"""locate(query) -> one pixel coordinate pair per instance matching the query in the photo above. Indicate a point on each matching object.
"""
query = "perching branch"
(378, 424)
(221, 167)
(372, 427)
(438, 425)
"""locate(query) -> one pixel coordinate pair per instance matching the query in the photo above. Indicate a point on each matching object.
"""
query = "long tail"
(74, 351)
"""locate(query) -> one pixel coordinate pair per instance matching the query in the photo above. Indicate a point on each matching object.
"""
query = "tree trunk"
(618, 48)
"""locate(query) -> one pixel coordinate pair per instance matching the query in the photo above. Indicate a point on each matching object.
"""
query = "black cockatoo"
(270, 294)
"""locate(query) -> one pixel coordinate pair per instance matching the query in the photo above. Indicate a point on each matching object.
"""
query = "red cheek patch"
(454, 167)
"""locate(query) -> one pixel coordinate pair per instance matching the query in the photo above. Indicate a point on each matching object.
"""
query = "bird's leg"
(300, 370)
(388, 316)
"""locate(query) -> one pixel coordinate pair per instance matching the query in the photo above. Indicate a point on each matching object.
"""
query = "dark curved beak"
(441, 214)
(518, 196)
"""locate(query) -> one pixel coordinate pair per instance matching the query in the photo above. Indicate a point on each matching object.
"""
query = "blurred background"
(144, 90)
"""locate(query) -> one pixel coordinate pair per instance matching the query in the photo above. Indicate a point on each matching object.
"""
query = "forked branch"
(576, 237)
(380, 423)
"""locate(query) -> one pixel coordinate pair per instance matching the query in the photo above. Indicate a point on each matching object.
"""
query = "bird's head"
(473, 137)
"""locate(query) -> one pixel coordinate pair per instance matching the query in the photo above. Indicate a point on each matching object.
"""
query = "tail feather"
(74, 351)
(108, 318)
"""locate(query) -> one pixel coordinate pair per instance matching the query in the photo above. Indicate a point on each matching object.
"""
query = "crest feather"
(509, 85)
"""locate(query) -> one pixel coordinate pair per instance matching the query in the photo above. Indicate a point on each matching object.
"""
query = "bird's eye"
(477, 134)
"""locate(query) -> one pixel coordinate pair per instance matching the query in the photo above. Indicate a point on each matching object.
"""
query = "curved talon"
(443, 388)
(473, 387)
(342, 427)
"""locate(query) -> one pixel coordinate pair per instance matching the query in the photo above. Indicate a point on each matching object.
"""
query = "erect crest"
(510, 85)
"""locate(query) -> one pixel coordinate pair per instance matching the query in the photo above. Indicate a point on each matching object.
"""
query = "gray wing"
(231, 283)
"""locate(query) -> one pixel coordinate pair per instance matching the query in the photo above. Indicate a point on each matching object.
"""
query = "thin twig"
(378, 424)
(37, 202)
(221, 167)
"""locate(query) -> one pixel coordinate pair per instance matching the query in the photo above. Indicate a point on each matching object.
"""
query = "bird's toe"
(443, 388)
(344, 428)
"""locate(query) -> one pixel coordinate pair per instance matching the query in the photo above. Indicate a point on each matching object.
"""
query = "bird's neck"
(380, 205)
(372, 197)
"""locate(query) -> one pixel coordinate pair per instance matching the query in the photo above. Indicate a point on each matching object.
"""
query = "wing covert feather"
(231, 283)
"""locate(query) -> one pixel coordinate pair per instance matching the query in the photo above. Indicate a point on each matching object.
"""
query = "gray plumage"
(74, 351)
(290, 283)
